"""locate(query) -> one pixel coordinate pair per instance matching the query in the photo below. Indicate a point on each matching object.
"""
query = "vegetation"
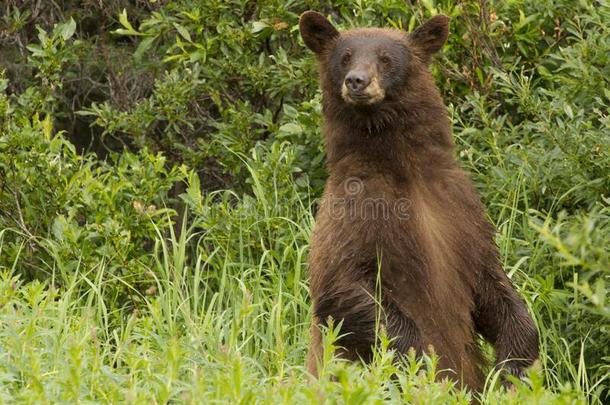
(160, 163)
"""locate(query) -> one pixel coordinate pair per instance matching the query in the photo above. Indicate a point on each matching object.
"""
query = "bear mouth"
(359, 98)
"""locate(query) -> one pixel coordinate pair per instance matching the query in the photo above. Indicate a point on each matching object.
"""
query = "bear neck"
(412, 140)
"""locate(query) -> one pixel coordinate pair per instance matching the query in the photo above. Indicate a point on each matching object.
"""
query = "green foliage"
(159, 167)
(62, 212)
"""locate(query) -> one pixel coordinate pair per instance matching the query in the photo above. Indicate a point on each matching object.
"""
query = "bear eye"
(385, 59)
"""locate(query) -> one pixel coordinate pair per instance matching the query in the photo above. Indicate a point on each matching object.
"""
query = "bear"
(400, 224)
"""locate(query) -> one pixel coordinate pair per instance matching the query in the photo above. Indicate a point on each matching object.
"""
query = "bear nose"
(357, 81)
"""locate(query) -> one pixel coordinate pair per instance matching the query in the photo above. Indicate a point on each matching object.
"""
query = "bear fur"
(399, 216)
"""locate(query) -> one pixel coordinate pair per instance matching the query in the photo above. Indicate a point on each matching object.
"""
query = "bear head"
(373, 69)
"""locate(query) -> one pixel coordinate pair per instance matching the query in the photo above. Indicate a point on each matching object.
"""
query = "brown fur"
(441, 278)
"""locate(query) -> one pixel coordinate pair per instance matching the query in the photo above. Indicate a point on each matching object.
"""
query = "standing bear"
(400, 225)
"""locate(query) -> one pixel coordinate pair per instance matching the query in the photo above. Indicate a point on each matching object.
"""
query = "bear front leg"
(502, 318)
(353, 312)
(315, 353)
(359, 316)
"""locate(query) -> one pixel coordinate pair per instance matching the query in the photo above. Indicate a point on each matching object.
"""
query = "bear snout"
(361, 88)
(357, 80)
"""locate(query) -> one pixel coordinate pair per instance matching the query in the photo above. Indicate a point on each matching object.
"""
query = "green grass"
(217, 326)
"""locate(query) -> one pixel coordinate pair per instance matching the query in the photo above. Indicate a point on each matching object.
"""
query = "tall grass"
(222, 327)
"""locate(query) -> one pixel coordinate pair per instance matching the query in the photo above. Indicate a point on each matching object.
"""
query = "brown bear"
(400, 225)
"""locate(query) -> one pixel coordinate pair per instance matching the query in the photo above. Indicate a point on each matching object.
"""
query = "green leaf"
(124, 21)
(35, 49)
(258, 26)
(67, 29)
(143, 47)
(128, 28)
(291, 128)
(58, 227)
(568, 111)
(290, 111)
(183, 32)
(543, 71)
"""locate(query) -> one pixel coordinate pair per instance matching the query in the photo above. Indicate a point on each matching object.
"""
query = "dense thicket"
(157, 156)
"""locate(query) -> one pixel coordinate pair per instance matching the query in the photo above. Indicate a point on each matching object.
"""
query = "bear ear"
(316, 30)
(431, 36)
